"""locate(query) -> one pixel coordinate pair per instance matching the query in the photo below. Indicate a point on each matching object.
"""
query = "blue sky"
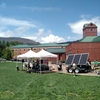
(47, 20)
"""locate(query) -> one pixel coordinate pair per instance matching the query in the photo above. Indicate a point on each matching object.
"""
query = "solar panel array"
(79, 59)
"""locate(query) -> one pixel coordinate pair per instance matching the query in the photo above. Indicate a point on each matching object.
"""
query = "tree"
(5, 51)
(3, 44)
(7, 44)
(0, 52)
(7, 54)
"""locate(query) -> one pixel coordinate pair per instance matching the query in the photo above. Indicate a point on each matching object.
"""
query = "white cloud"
(14, 22)
(34, 38)
(40, 32)
(21, 30)
(27, 29)
(52, 38)
(7, 33)
(16, 28)
(77, 26)
(43, 36)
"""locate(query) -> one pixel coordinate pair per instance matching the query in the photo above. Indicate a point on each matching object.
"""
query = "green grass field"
(17, 85)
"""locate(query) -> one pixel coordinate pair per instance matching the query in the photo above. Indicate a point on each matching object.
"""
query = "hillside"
(22, 40)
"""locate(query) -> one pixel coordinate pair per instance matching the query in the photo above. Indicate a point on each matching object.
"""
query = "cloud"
(41, 31)
(14, 22)
(43, 36)
(76, 27)
(17, 27)
(52, 38)
(7, 33)
(20, 28)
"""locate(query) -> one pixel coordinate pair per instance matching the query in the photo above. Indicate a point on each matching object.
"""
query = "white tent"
(29, 54)
(20, 56)
(44, 53)
(40, 54)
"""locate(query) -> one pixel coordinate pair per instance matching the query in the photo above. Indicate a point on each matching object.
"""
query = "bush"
(63, 61)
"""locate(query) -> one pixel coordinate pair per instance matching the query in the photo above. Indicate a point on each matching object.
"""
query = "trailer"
(81, 61)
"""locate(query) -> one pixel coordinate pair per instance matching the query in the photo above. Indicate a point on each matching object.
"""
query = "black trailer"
(81, 61)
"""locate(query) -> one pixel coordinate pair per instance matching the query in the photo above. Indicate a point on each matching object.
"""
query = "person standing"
(95, 65)
(74, 67)
(60, 66)
(23, 65)
(89, 62)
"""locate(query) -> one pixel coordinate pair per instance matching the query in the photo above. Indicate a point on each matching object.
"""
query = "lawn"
(17, 85)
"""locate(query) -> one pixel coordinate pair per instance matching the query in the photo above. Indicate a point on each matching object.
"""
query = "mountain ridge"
(22, 40)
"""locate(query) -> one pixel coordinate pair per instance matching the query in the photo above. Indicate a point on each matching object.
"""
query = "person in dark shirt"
(60, 66)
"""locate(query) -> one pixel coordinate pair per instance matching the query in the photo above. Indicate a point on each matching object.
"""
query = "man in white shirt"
(74, 67)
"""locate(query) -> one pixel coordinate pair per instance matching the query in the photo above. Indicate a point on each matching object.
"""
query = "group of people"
(35, 65)
(30, 65)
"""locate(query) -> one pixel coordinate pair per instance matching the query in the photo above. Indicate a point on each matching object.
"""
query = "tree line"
(5, 51)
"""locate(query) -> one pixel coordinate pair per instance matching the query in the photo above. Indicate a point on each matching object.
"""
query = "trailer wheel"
(70, 70)
(77, 70)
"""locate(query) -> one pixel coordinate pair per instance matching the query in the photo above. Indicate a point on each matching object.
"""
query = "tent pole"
(40, 65)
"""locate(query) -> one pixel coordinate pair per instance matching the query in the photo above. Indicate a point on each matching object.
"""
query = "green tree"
(7, 44)
(3, 44)
(0, 52)
(7, 53)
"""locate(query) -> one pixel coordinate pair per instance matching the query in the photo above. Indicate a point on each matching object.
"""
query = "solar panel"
(70, 59)
(76, 59)
(83, 59)
(79, 59)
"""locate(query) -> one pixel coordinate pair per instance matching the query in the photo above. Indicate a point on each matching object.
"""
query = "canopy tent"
(44, 53)
(40, 54)
(29, 54)
(20, 56)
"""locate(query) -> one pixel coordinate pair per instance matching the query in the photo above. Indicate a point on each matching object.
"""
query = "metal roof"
(56, 50)
(97, 39)
(88, 39)
(48, 45)
(40, 45)
(22, 46)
